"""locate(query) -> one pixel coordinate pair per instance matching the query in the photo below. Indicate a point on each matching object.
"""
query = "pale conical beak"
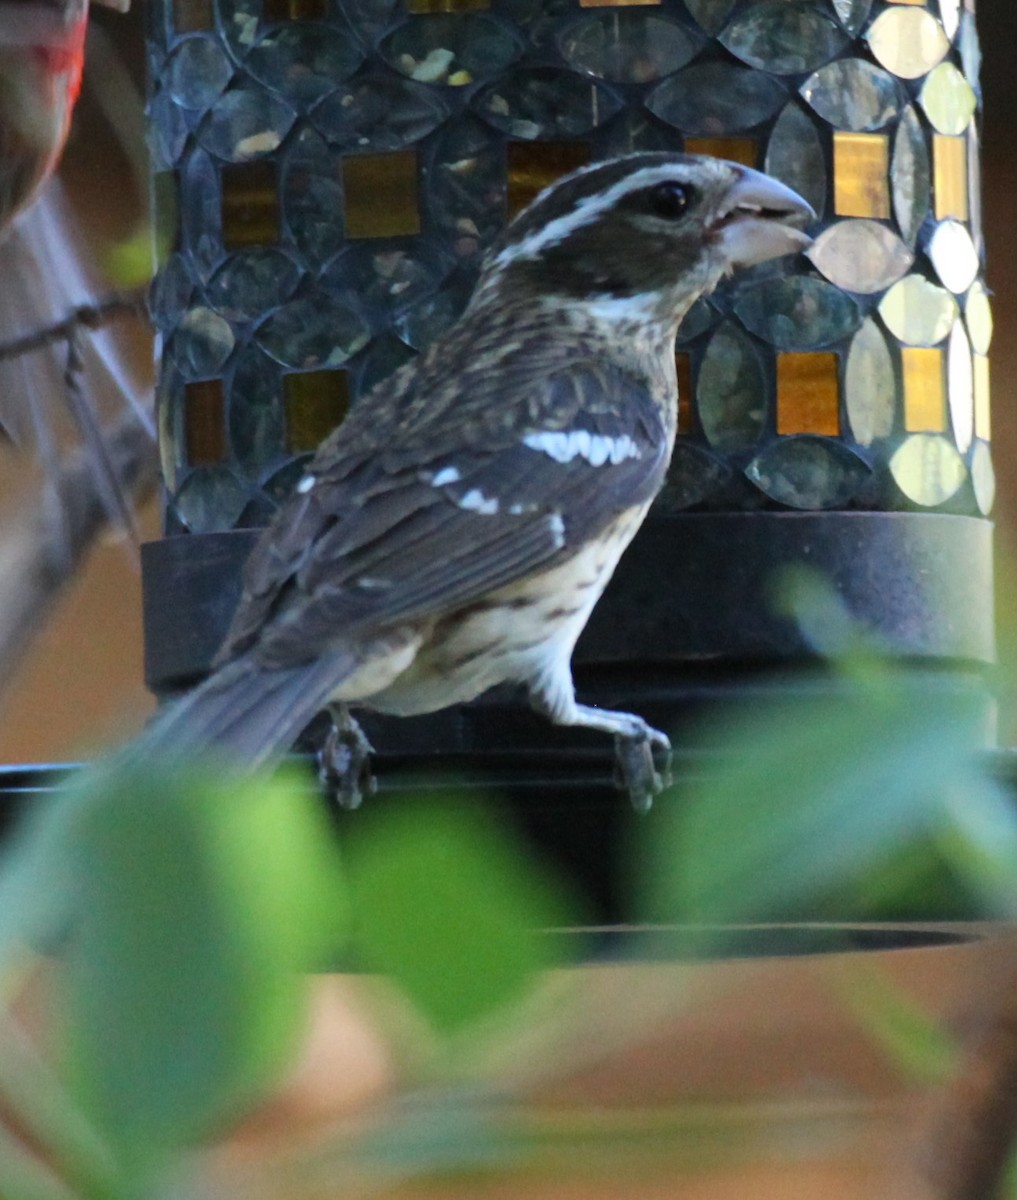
(760, 219)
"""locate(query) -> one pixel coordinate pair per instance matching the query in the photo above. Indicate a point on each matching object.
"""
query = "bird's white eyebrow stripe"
(598, 449)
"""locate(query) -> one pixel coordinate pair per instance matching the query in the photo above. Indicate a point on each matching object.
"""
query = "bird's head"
(642, 236)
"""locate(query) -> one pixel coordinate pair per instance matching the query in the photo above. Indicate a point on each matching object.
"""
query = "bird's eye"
(670, 200)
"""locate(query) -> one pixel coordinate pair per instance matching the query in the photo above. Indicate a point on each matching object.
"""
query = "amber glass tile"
(924, 394)
(445, 6)
(950, 159)
(808, 394)
(204, 423)
(861, 180)
(316, 403)
(250, 205)
(983, 417)
(533, 165)
(190, 16)
(294, 10)
(683, 367)
(380, 194)
(739, 150)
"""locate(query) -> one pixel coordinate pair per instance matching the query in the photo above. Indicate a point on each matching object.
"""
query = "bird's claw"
(344, 762)
(636, 765)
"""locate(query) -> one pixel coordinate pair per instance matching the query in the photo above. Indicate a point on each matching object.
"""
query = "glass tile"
(295, 10)
(697, 320)
(255, 412)
(731, 394)
(683, 373)
(532, 166)
(852, 14)
(385, 355)
(196, 73)
(210, 500)
(694, 476)
(983, 409)
(970, 50)
(948, 99)
(978, 315)
(974, 157)
(192, 16)
(628, 47)
(450, 50)
(618, 3)
(379, 112)
(304, 62)
(380, 194)
(954, 256)
(385, 276)
(808, 394)
(960, 375)
(912, 176)
(202, 343)
(315, 403)
(714, 98)
(907, 41)
(795, 156)
(172, 292)
(861, 169)
(870, 388)
(245, 122)
(200, 196)
(983, 477)
(924, 394)
(542, 102)
(635, 129)
(252, 281)
(204, 423)
(853, 94)
(428, 320)
(950, 14)
(446, 6)
(465, 186)
(168, 132)
(950, 163)
(371, 18)
(783, 36)
(918, 312)
(314, 331)
(860, 256)
(710, 15)
(311, 197)
(165, 213)
(739, 150)
(250, 204)
(809, 472)
(798, 312)
(280, 484)
(928, 469)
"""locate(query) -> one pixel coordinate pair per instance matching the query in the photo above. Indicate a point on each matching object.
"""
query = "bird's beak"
(760, 218)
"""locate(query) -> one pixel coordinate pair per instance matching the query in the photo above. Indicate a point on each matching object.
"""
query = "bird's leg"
(634, 740)
(344, 761)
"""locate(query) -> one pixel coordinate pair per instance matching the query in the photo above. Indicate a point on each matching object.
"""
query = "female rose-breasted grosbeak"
(456, 531)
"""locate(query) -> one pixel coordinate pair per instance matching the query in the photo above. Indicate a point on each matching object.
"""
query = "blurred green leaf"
(448, 904)
(131, 263)
(199, 900)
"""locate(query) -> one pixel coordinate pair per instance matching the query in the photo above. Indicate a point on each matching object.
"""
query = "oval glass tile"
(870, 386)
(313, 331)
(387, 276)
(860, 256)
(714, 98)
(950, 14)
(697, 320)
(450, 49)
(628, 46)
(545, 103)
(304, 61)
(256, 428)
(911, 176)
(918, 312)
(928, 469)
(970, 50)
(202, 343)
(783, 36)
(379, 112)
(694, 475)
(794, 155)
(731, 391)
(711, 15)
(252, 281)
(797, 313)
(908, 41)
(245, 123)
(853, 94)
(196, 73)
(978, 315)
(961, 381)
(210, 500)
(852, 14)
(954, 256)
(809, 472)
(983, 477)
(948, 99)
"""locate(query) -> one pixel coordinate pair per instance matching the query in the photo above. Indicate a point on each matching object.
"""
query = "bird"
(457, 529)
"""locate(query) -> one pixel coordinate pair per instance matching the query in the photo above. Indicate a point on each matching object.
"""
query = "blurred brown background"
(81, 686)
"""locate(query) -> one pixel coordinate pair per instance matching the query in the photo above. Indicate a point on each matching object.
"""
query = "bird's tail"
(242, 714)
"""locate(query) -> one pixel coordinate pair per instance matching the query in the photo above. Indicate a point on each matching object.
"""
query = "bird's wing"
(384, 537)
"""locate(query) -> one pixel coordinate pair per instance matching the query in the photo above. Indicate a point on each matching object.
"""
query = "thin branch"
(85, 316)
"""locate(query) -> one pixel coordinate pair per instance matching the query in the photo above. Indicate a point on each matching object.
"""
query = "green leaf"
(450, 906)
(200, 901)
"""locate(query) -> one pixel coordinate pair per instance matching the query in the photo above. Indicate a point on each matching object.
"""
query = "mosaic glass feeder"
(329, 172)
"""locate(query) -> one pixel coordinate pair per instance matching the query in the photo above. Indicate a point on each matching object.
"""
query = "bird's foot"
(642, 765)
(344, 762)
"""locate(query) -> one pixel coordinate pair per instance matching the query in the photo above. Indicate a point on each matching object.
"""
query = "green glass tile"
(978, 315)
(715, 98)
(202, 343)
(799, 312)
(450, 50)
(948, 99)
(853, 94)
(386, 276)
(311, 197)
(694, 476)
(314, 331)
(257, 434)
(860, 256)
(808, 472)
(794, 155)
(909, 42)
(196, 73)
(983, 477)
(431, 317)
(465, 187)
(711, 15)
(928, 469)
(541, 102)
(375, 112)
(304, 61)
(210, 500)
(698, 320)
(870, 387)
(731, 394)
(784, 36)
(918, 312)
(244, 123)
(628, 47)
(911, 177)
(251, 281)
